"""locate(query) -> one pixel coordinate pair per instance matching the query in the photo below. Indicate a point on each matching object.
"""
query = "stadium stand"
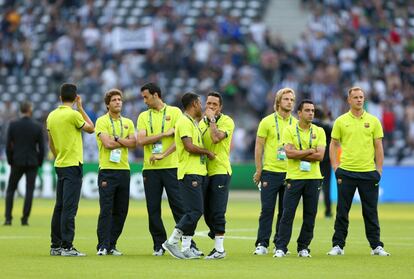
(202, 45)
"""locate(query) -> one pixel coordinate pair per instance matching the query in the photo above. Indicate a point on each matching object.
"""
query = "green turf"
(24, 250)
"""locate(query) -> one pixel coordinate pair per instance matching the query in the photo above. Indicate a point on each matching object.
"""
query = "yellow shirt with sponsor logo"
(152, 121)
(65, 127)
(104, 126)
(221, 164)
(272, 131)
(189, 163)
(356, 136)
(309, 138)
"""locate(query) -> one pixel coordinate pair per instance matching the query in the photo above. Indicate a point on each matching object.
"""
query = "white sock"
(175, 236)
(186, 242)
(218, 243)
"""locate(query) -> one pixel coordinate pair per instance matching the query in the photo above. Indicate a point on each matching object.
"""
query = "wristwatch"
(116, 138)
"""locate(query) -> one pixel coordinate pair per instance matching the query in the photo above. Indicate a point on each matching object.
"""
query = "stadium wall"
(395, 185)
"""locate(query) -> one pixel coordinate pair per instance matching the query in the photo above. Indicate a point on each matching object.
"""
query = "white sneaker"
(189, 254)
(260, 250)
(279, 254)
(304, 254)
(287, 252)
(102, 252)
(158, 253)
(173, 249)
(72, 252)
(379, 251)
(115, 252)
(336, 251)
(197, 252)
(56, 251)
(215, 255)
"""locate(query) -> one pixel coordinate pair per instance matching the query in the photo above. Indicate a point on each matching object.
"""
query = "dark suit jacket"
(328, 130)
(25, 143)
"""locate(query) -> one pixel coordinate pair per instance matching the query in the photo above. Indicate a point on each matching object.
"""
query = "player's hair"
(280, 93)
(112, 92)
(217, 95)
(355, 88)
(306, 101)
(188, 99)
(25, 106)
(152, 88)
(68, 92)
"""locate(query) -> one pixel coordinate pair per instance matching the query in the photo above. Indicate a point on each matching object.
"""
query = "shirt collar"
(161, 110)
(354, 117)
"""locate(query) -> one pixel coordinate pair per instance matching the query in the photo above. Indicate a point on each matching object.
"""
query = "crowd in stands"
(368, 43)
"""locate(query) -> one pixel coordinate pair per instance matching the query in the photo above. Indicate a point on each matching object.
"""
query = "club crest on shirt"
(194, 183)
(366, 125)
(126, 127)
(167, 117)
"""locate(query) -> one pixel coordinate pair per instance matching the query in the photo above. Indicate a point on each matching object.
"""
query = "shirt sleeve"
(378, 132)
(131, 128)
(141, 122)
(184, 129)
(227, 127)
(336, 131)
(262, 130)
(322, 137)
(78, 120)
(100, 127)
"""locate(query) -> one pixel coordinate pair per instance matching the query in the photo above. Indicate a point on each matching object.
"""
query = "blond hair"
(280, 93)
(355, 88)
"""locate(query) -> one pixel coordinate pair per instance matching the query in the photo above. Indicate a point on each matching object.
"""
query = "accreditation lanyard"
(277, 126)
(163, 121)
(200, 138)
(113, 127)
(299, 141)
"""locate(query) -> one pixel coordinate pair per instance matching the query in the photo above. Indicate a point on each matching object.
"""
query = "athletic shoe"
(72, 252)
(158, 253)
(287, 252)
(102, 252)
(215, 255)
(56, 251)
(379, 251)
(115, 252)
(196, 251)
(173, 249)
(336, 251)
(260, 250)
(279, 254)
(304, 253)
(189, 254)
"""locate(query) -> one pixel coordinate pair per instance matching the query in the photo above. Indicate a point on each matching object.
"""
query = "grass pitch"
(25, 250)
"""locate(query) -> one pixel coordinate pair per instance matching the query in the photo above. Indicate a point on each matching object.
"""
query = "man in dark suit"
(25, 152)
(322, 120)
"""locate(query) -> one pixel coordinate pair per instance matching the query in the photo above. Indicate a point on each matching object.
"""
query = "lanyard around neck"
(163, 121)
(200, 139)
(299, 141)
(113, 126)
(277, 126)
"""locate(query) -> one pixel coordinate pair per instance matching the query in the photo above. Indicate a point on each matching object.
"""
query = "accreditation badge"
(203, 159)
(305, 166)
(115, 156)
(281, 154)
(157, 148)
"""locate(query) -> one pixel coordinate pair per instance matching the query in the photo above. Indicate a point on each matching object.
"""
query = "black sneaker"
(215, 255)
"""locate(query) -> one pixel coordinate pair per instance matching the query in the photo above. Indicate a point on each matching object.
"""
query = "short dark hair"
(152, 88)
(68, 92)
(216, 94)
(110, 93)
(188, 99)
(25, 106)
(306, 101)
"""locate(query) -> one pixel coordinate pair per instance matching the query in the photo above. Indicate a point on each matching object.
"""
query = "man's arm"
(109, 142)
(215, 134)
(51, 145)
(130, 141)
(156, 157)
(88, 126)
(258, 154)
(379, 154)
(143, 139)
(9, 146)
(333, 153)
(190, 147)
(293, 153)
(317, 156)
